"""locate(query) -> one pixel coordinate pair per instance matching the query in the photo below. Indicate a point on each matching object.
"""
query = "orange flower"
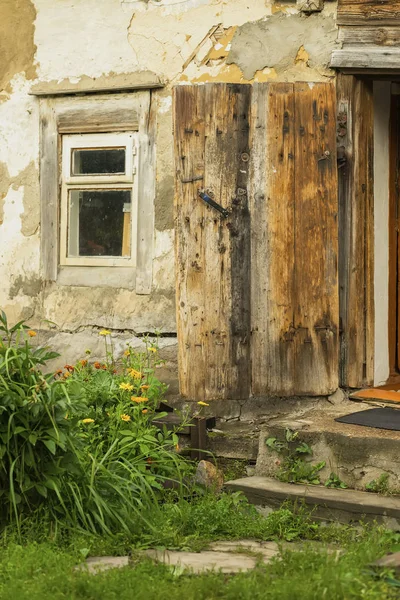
(139, 399)
(135, 374)
(69, 368)
(31, 333)
(144, 411)
(97, 365)
(83, 362)
(144, 387)
(67, 374)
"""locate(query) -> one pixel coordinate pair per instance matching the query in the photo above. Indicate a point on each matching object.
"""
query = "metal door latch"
(224, 212)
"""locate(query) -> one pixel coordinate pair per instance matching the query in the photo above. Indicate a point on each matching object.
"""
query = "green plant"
(294, 468)
(125, 460)
(335, 482)
(380, 485)
(34, 430)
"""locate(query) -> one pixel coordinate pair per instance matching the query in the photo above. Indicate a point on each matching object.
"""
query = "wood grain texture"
(211, 126)
(272, 239)
(146, 181)
(285, 236)
(48, 190)
(316, 306)
(359, 12)
(366, 58)
(384, 36)
(355, 140)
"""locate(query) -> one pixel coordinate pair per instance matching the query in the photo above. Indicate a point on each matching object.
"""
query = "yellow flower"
(126, 386)
(201, 403)
(125, 417)
(105, 332)
(88, 421)
(139, 399)
(127, 353)
(31, 333)
(152, 349)
(135, 374)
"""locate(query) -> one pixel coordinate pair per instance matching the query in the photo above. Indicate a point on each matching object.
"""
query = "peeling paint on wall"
(17, 48)
(275, 43)
(28, 179)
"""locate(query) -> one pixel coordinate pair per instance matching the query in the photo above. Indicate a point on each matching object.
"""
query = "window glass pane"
(99, 223)
(98, 161)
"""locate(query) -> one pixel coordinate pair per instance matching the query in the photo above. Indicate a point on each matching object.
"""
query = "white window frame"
(126, 181)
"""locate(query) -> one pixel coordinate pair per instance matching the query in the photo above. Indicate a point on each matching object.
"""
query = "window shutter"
(211, 126)
(268, 154)
(356, 218)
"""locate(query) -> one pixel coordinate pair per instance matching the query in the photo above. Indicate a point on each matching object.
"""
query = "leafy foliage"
(294, 468)
(335, 482)
(82, 444)
(34, 433)
(380, 485)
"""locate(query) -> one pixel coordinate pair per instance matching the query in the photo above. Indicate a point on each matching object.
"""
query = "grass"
(43, 571)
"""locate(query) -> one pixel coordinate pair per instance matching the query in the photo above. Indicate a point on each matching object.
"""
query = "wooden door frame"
(394, 157)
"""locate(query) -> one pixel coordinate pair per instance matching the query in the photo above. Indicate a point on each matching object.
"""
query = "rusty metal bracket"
(208, 200)
(192, 179)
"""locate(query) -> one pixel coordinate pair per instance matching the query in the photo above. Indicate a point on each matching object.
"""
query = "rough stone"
(329, 504)
(199, 562)
(209, 475)
(96, 564)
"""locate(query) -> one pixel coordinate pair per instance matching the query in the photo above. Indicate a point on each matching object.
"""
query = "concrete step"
(357, 455)
(328, 504)
(234, 440)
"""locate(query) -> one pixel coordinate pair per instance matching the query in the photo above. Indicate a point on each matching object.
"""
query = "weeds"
(335, 482)
(380, 485)
(294, 468)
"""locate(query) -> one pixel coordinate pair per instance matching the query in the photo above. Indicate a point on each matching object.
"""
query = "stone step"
(328, 504)
(356, 454)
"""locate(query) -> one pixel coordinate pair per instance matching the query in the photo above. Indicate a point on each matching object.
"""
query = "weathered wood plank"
(227, 242)
(316, 309)
(117, 82)
(368, 35)
(146, 182)
(366, 57)
(189, 138)
(355, 140)
(272, 239)
(48, 190)
(211, 125)
(353, 12)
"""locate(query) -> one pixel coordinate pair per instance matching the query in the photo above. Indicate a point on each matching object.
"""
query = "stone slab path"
(226, 556)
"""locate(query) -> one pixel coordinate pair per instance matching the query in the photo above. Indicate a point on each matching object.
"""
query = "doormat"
(377, 395)
(379, 418)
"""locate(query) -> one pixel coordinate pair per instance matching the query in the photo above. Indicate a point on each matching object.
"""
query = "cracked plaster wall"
(185, 41)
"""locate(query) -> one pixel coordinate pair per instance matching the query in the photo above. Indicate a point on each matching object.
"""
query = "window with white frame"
(98, 224)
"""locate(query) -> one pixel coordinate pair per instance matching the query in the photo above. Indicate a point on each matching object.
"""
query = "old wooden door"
(257, 292)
